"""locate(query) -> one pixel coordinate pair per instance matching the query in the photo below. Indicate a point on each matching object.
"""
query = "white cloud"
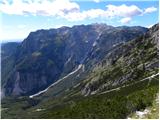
(125, 20)
(111, 11)
(150, 10)
(38, 7)
(97, 1)
(70, 10)
(124, 10)
(90, 14)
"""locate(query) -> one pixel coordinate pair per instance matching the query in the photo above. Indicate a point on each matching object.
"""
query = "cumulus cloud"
(38, 7)
(70, 10)
(124, 10)
(111, 11)
(88, 14)
(150, 10)
(125, 20)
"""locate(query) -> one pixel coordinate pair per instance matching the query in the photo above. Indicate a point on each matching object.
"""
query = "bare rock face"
(17, 90)
(154, 31)
(48, 55)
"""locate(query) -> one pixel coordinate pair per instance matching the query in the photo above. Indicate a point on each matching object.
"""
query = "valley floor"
(115, 104)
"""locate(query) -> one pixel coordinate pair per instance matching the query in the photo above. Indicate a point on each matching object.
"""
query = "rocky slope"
(126, 62)
(48, 55)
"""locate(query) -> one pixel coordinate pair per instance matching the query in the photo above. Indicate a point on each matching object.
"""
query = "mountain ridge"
(70, 47)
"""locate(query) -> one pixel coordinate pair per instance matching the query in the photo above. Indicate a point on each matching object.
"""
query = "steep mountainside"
(119, 81)
(7, 51)
(126, 63)
(48, 55)
(8, 48)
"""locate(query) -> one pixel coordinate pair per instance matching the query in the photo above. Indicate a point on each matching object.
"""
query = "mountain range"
(66, 69)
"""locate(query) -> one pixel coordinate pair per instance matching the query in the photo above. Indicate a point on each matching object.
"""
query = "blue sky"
(20, 17)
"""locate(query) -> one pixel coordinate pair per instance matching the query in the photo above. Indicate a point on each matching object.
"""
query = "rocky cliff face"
(48, 55)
